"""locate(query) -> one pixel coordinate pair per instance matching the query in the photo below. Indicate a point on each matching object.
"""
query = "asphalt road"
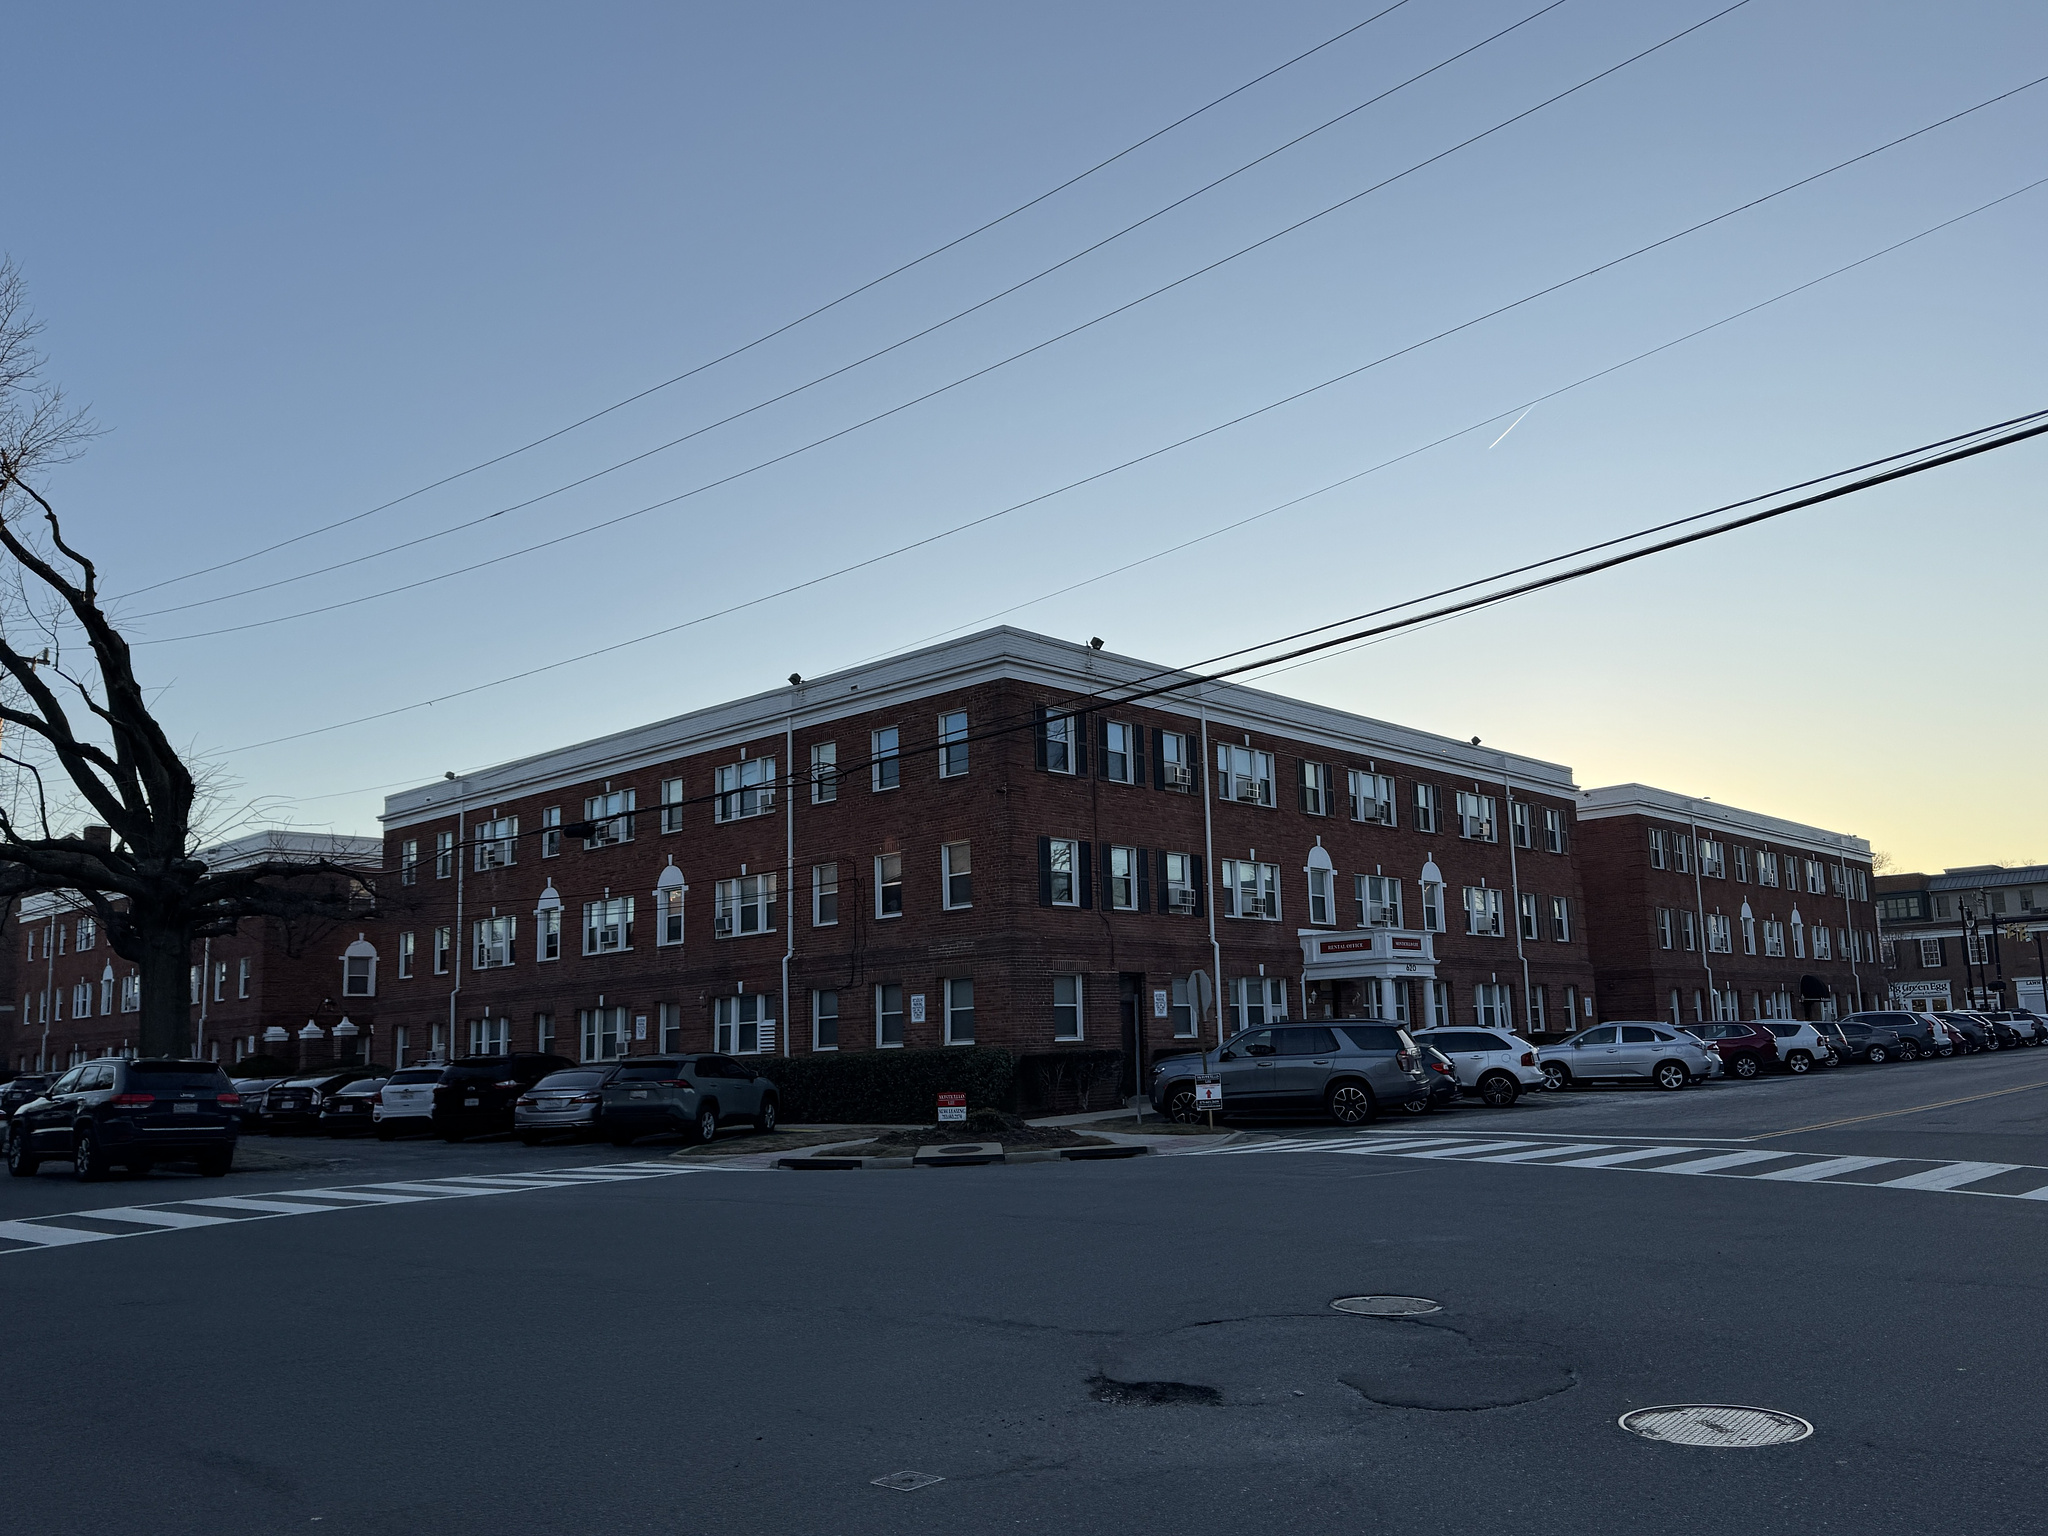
(1129, 1346)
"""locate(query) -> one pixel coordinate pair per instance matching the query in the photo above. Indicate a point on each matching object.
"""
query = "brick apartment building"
(276, 988)
(1972, 937)
(1700, 911)
(969, 856)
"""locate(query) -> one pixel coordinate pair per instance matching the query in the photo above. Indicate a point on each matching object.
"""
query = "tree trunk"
(166, 989)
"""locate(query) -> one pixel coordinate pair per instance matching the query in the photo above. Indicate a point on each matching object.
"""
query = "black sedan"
(348, 1112)
(297, 1103)
(1854, 1040)
(18, 1091)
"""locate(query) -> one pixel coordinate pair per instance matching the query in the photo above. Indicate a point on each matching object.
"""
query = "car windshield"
(569, 1080)
(643, 1072)
(366, 1086)
(480, 1066)
(308, 1082)
(414, 1075)
(157, 1076)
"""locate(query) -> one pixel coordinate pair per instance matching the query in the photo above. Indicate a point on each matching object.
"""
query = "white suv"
(406, 1101)
(1493, 1065)
(1801, 1047)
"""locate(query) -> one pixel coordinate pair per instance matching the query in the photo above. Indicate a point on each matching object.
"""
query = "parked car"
(406, 1101)
(1747, 1047)
(1854, 1040)
(1919, 1034)
(475, 1095)
(1642, 1052)
(1975, 1037)
(251, 1091)
(19, 1090)
(1800, 1046)
(350, 1111)
(1493, 1066)
(561, 1102)
(297, 1103)
(1349, 1069)
(691, 1094)
(2030, 1027)
(131, 1114)
(1999, 1027)
(1442, 1078)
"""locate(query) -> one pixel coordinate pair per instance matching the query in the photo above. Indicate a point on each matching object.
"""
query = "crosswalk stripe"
(169, 1220)
(1950, 1176)
(265, 1207)
(1716, 1164)
(1610, 1159)
(1823, 1170)
(365, 1197)
(1466, 1149)
(1548, 1149)
(1401, 1144)
(446, 1191)
(48, 1237)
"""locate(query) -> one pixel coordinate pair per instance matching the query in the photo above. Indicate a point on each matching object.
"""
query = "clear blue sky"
(301, 261)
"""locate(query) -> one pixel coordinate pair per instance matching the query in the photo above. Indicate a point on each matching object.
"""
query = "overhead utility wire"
(2034, 424)
(786, 326)
(1464, 431)
(1170, 447)
(844, 368)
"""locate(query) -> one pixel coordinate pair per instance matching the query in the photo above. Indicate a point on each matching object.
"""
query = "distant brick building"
(1973, 937)
(1699, 911)
(273, 988)
(971, 857)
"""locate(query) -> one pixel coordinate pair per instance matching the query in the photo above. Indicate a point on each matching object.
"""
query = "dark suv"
(1745, 1047)
(134, 1114)
(1917, 1033)
(1854, 1040)
(476, 1094)
(18, 1091)
(297, 1103)
(694, 1095)
(1349, 1069)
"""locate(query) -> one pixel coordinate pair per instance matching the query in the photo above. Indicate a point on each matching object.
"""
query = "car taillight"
(1528, 1058)
(227, 1098)
(1405, 1060)
(133, 1100)
(586, 1098)
(529, 1102)
(673, 1082)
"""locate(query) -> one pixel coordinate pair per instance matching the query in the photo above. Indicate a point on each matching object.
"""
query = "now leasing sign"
(952, 1106)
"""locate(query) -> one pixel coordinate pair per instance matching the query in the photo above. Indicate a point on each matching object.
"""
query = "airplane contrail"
(1511, 427)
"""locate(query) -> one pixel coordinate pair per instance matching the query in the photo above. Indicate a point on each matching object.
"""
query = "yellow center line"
(1889, 1113)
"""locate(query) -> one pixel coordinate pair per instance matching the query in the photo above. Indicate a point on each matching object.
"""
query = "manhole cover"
(1722, 1424)
(1387, 1306)
(956, 1151)
(907, 1482)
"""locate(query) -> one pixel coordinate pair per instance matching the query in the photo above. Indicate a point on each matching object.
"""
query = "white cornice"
(1664, 805)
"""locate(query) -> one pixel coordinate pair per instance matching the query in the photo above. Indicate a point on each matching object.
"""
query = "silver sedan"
(1642, 1052)
(562, 1103)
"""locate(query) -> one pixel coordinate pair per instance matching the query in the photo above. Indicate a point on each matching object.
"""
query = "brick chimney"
(101, 838)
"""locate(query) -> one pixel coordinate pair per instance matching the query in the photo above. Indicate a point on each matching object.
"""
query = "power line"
(788, 325)
(845, 368)
(1084, 480)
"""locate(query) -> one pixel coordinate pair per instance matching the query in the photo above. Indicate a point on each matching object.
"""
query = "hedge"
(890, 1087)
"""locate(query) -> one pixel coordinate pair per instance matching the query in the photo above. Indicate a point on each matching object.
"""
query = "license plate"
(639, 1093)
(184, 1109)
(469, 1103)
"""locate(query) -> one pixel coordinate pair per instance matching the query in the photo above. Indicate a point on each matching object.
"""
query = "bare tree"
(152, 896)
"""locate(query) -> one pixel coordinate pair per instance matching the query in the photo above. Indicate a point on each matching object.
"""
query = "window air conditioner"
(721, 925)
(1176, 775)
(1248, 791)
(1182, 902)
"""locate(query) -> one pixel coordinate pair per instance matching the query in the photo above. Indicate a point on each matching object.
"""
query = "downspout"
(50, 983)
(1849, 918)
(205, 992)
(1515, 880)
(1209, 872)
(455, 938)
(1699, 896)
(789, 861)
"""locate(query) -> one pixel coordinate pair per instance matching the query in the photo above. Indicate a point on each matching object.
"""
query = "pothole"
(1725, 1425)
(1472, 1384)
(1106, 1389)
(1387, 1306)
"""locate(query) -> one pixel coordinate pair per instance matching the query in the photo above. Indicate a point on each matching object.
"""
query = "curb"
(1034, 1155)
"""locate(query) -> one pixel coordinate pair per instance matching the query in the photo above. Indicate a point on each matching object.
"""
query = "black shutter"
(1301, 784)
(1044, 865)
(1102, 746)
(1085, 876)
(1144, 863)
(1137, 754)
(1108, 878)
(1201, 885)
(1162, 883)
(1158, 759)
(1080, 735)
(1196, 767)
(1038, 743)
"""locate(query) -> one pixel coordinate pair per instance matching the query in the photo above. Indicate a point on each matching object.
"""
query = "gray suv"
(1347, 1069)
(1643, 1052)
(691, 1094)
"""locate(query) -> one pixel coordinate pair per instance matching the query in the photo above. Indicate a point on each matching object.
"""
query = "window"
(1681, 853)
(1659, 843)
(885, 766)
(1379, 902)
(1798, 939)
(88, 930)
(1254, 889)
(603, 1031)
(1322, 901)
(824, 895)
(1553, 831)
(444, 855)
(608, 925)
(1688, 930)
(889, 1014)
(1439, 1004)
(1526, 906)
(547, 933)
(1386, 999)
(1742, 863)
(672, 805)
(1066, 1008)
(358, 971)
(953, 744)
(1539, 1010)
(1493, 1005)
(490, 1037)
(743, 906)
(824, 772)
(1182, 889)
(744, 789)
(1256, 1000)
(742, 1026)
(1815, 885)
(959, 1011)
(889, 885)
(1372, 797)
(1930, 955)
(1062, 860)
(1518, 820)
(1119, 752)
(220, 981)
(1838, 881)
(408, 864)
(824, 1021)
(956, 875)
(1244, 775)
(611, 818)
(551, 832)
(1176, 761)
(107, 990)
(497, 842)
(1315, 789)
(668, 1026)
(1888, 953)
(1482, 911)
(1059, 733)
(81, 1000)
(1475, 817)
(668, 914)
(1561, 919)
(1428, 809)
(1823, 950)
(1863, 890)
(1774, 940)
(405, 957)
(1432, 906)
(1713, 858)
(1719, 934)
(1181, 1008)
(1123, 879)
(1766, 868)
(1666, 928)
(131, 993)
(1748, 930)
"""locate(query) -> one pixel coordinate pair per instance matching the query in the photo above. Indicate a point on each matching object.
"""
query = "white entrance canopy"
(1357, 953)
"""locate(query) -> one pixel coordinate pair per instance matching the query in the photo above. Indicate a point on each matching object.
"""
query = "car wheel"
(1180, 1106)
(707, 1125)
(764, 1122)
(1945, 1052)
(1877, 1056)
(1421, 1106)
(1746, 1066)
(87, 1160)
(1991, 1042)
(1671, 1075)
(1555, 1078)
(1498, 1091)
(1799, 1061)
(1352, 1104)
(20, 1162)
(1908, 1051)
(217, 1165)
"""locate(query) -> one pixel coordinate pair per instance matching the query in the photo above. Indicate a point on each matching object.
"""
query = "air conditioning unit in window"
(1176, 775)
(1181, 903)
(1248, 791)
(721, 925)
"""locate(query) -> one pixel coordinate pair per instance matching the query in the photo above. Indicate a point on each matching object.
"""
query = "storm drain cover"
(907, 1482)
(1719, 1424)
(1387, 1306)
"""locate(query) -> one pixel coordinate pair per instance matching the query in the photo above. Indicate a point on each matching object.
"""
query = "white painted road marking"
(1825, 1169)
(1950, 1176)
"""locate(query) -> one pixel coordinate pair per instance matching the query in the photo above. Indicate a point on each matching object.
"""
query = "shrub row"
(890, 1087)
